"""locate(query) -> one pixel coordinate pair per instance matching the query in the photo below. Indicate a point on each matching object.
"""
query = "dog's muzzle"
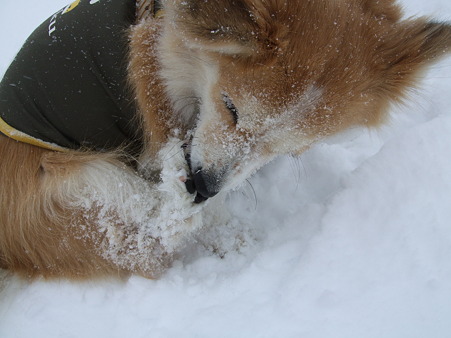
(202, 183)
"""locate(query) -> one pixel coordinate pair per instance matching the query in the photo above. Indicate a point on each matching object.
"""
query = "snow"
(353, 239)
(162, 210)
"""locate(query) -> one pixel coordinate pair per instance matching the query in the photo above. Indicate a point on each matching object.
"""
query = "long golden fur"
(296, 72)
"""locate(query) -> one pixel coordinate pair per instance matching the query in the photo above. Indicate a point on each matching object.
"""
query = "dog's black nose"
(191, 188)
(206, 185)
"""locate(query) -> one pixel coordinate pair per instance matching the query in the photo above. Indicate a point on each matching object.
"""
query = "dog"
(226, 86)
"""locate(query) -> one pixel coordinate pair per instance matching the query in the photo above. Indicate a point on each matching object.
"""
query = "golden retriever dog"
(217, 89)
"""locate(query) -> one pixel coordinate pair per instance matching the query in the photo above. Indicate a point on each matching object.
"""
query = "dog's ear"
(409, 48)
(242, 28)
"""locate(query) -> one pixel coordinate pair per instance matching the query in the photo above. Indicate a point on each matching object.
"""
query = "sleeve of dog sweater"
(68, 83)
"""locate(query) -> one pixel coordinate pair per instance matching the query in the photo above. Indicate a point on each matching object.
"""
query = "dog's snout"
(203, 184)
(207, 183)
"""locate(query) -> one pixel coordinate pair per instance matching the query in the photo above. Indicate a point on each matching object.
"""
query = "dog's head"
(254, 79)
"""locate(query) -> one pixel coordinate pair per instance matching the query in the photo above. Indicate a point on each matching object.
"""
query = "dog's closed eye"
(231, 107)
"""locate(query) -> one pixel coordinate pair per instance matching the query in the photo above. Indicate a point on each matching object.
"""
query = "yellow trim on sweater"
(17, 135)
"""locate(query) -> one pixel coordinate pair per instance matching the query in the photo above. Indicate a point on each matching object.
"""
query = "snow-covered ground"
(351, 240)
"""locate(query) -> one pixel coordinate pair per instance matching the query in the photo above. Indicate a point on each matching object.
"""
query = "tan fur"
(35, 234)
(297, 71)
(155, 109)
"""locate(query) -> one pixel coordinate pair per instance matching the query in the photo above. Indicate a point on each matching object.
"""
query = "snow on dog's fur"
(243, 81)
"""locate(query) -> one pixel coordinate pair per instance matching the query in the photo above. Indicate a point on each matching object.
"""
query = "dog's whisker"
(297, 166)
(174, 151)
(252, 196)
